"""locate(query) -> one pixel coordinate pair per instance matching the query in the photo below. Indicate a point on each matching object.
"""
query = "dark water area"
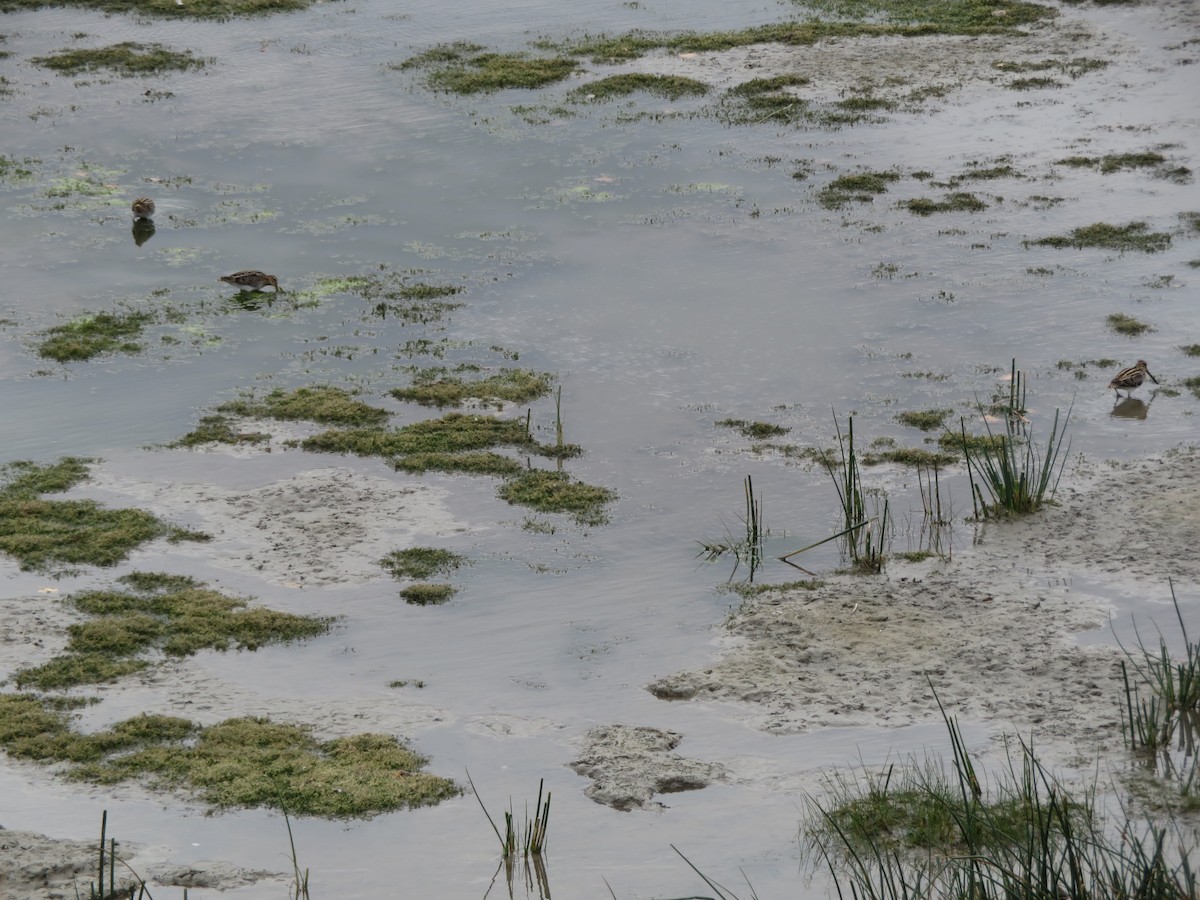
(669, 269)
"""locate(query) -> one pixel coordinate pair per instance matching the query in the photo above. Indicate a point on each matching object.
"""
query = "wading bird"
(143, 208)
(251, 279)
(1131, 379)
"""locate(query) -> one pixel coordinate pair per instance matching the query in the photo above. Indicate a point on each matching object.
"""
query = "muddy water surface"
(669, 268)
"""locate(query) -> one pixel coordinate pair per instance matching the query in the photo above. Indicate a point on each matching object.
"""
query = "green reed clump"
(748, 548)
(866, 524)
(1027, 837)
(1017, 474)
(1173, 687)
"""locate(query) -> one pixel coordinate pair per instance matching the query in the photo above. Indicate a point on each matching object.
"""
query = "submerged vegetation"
(958, 201)
(672, 87)
(1126, 324)
(323, 404)
(396, 295)
(245, 762)
(859, 187)
(421, 562)
(1132, 236)
(439, 386)
(193, 9)
(128, 59)
(48, 535)
(93, 335)
(156, 613)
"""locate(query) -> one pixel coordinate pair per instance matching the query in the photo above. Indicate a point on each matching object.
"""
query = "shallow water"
(672, 273)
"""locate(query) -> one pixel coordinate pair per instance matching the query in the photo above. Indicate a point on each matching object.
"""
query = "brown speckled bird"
(1131, 379)
(251, 279)
(143, 208)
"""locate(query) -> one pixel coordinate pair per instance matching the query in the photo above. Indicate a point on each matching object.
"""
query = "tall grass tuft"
(1027, 838)
(748, 549)
(865, 533)
(107, 866)
(531, 844)
(1017, 474)
(1162, 703)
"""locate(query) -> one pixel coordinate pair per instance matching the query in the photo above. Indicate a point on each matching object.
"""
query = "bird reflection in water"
(143, 230)
(1131, 408)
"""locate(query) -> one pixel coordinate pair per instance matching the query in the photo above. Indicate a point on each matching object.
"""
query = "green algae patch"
(1104, 236)
(763, 99)
(756, 431)
(128, 59)
(908, 19)
(247, 762)
(95, 335)
(496, 465)
(47, 535)
(1127, 325)
(395, 295)
(439, 386)
(959, 201)
(192, 9)
(427, 594)
(488, 72)
(156, 614)
(218, 429)
(859, 187)
(452, 433)
(25, 478)
(671, 87)
(555, 492)
(926, 420)
(422, 562)
(322, 404)
(908, 456)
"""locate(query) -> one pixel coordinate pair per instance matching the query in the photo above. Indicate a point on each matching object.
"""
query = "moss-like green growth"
(860, 187)
(907, 456)
(926, 420)
(163, 614)
(218, 429)
(426, 594)
(1133, 236)
(91, 336)
(955, 202)
(494, 464)
(1193, 385)
(754, 430)
(395, 295)
(1191, 349)
(323, 404)
(1034, 83)
(952, 441)
(438, 386)
(556, 492)
(25, 478)
(1127, 325)
(422, 563)
(1116, 162)
(193, 9)
(904, 20)
(13, 169)
(670, 86)
(766, 99)
(452, 433)
(44, 534)
(236, 763)
(487, 72)
(128, 59)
